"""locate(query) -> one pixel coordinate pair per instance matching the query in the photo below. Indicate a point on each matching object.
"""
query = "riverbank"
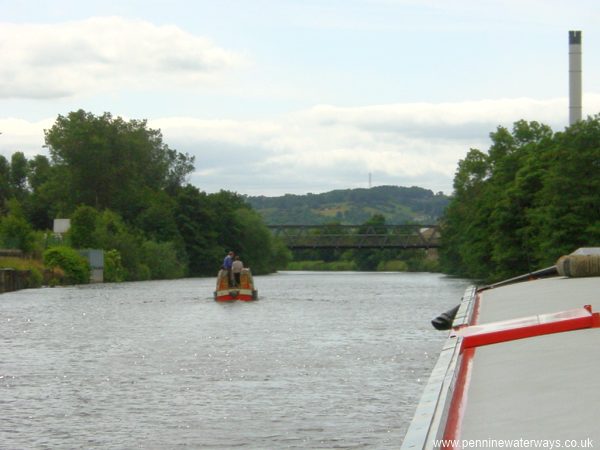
(423, 265)
(20, 273)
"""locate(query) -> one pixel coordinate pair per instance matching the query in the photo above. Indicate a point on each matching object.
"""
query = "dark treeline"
(125, 191)
(363, 259)
(532, 197)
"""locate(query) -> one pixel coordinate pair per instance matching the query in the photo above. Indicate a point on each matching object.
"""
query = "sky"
(298, 96)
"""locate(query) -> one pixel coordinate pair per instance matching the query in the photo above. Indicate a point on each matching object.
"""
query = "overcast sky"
(298, 96)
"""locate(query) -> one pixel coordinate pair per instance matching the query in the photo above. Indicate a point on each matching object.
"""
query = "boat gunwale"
(432, 413)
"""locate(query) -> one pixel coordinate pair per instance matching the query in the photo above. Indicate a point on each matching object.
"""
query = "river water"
(320, 361)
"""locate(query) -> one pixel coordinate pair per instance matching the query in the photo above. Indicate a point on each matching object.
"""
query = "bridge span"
(357, 236)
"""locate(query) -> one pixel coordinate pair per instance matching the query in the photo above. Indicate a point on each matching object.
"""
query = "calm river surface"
(321, 361)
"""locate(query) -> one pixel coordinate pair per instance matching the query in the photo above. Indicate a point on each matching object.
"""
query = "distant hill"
(397, 204)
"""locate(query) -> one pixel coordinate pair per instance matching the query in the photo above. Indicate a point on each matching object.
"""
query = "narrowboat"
(520, 365)
(227, 290)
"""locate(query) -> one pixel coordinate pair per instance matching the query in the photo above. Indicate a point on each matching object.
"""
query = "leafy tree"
(532, 198)
(124, 190)
(5, 191)
(38, 171)
(162, 260)
(113, 234)
(15, 231)
(369, 259)
(84, 222)
(157, 220)
(255, 245)
(38, 206)
(567, 213)
(18, 174)
(198, 227)
(225, 204)
(108, 163)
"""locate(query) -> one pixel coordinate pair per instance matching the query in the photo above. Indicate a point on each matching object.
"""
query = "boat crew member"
(236, 268)
(227, 263)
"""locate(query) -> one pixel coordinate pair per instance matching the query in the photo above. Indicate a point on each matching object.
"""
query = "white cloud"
(100, 54)
(19, 135)
(329, 147)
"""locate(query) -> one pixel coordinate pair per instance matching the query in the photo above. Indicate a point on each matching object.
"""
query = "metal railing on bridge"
(358, 236)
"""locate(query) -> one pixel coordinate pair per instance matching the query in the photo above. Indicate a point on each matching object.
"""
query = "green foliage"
(157, 219)
(35, 278)
(392, 266)
(531, 198)
(83, 227)
(162, 261)
(143, 272)
(365, 259)
(353, 206)
(200, 231)
(75, 267)
(18, 174)
(255, 242)
(113, 233)
(34, 267)
(15, 231)
(323, 266)
(369, 259)
(5, 191)
(13, 262)
(106, 162)
(124, 190)
(113, 267)
(280, 254)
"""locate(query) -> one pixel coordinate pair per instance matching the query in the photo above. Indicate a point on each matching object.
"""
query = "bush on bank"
(74, 266)
(113, 268)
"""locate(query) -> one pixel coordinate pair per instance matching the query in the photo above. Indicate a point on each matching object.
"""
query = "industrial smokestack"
(574, 77)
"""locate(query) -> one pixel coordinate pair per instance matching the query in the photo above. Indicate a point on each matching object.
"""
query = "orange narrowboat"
(228, 291)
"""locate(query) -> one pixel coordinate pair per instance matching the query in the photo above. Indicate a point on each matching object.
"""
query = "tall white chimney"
(574, 77)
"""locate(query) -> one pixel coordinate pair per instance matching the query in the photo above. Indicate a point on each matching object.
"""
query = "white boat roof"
(545, 387)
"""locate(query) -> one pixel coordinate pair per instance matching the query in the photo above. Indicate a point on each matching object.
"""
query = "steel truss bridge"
(357, 236)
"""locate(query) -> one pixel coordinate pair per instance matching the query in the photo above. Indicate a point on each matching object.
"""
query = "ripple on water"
(320, 361)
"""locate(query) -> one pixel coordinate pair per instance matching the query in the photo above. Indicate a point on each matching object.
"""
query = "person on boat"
(236, 268)
(227, 264)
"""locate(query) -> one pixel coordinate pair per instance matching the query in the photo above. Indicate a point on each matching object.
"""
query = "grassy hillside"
(353, 206)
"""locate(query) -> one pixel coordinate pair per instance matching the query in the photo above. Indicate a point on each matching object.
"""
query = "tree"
(39, 206)
(369, 259)
(197, 223)
(113, 233)
(162, 260)
(157, 220)
(532, 198)
(18, 174)
(4, 181)
(106, 162)
(15, 231)
(567, 213)
(255, 245)
(84, 222)
(38, 171)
